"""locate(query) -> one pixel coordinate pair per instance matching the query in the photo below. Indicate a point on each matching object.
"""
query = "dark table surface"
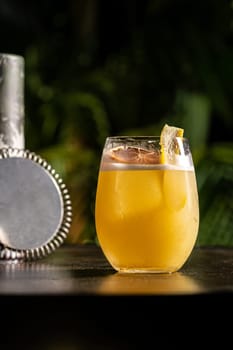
(73, 299)
(83, 270)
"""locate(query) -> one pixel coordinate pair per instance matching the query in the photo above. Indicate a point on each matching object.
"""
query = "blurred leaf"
(87, 118)
(215, 184)
(193, 111)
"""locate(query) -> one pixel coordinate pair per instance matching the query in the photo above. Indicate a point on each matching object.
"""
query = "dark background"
(99, 68)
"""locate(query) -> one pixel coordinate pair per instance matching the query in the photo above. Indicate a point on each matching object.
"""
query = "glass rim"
(140, 137)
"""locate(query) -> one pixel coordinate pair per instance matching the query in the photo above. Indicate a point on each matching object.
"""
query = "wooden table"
(74, 299)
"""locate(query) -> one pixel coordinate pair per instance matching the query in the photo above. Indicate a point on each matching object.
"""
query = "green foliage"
(88, 77)
(215, 183)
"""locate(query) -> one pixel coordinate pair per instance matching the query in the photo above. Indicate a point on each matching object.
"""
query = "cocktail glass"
(146, 211)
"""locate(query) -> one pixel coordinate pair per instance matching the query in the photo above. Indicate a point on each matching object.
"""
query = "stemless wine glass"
(146, 211)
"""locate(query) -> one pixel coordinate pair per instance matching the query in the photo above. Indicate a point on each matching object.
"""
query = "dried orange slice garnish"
(134, 155)
(167, 142)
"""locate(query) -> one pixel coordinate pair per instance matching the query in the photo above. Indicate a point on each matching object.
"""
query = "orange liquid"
(147, 220)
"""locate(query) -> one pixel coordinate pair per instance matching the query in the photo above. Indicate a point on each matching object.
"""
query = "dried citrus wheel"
(167, 138)
(134, 155)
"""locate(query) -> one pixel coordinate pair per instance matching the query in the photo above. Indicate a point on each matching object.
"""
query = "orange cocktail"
(147, 213)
